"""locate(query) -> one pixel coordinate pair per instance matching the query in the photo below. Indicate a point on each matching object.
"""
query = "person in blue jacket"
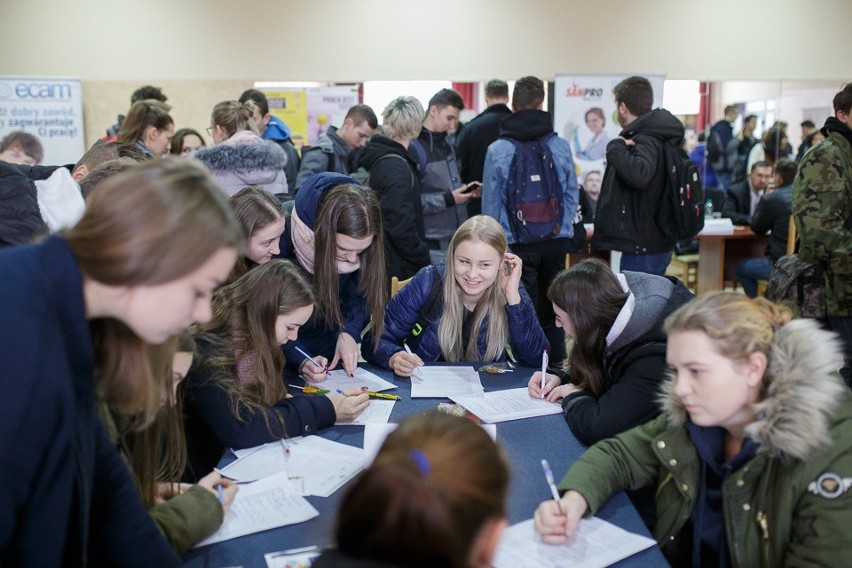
(481, 308)
(335, 236)
(235, 397)
(142, 262)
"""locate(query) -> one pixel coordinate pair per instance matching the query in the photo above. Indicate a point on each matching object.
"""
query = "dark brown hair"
(528, 93)
(435, 483)
(143, 114)
(176, 145)
(255, 208)
(592, 297)
(354, 211)
(636, 93)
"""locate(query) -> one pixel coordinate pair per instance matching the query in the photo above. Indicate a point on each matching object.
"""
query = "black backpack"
(362, 174)
(682, 204)
(534, 196)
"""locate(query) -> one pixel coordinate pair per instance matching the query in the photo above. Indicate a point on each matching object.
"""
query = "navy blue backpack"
(534, 197)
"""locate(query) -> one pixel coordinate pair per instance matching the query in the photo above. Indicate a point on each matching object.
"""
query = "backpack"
(714, 146)
(534, 196)
(428, 312)
(798, 283)
(682, 205)
(362, 174)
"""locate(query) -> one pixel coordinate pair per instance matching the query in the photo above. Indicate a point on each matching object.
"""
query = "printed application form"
(445, 382)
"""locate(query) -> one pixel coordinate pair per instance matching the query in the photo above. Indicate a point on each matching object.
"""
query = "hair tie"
(421, 460)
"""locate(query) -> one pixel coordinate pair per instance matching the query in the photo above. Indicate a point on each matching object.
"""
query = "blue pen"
(548, 474)
(220, 493)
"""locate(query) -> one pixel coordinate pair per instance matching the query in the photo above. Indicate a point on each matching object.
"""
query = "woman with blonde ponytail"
(239, 157)
(751, 460)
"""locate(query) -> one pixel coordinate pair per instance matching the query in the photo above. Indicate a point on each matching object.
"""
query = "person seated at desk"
(618, 359)
(464, 309)
(752, 457)
(434, 496)
(156, 453)
(261, 216)
(771, 215)
(334, 236)
(235, 397)
(743, 196)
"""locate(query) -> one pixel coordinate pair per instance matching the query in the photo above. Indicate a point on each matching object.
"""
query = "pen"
(372, 394)
(220, 494)
(543, 370)
(549, 476)
(286, 447)
(408, 350)
(311, 359)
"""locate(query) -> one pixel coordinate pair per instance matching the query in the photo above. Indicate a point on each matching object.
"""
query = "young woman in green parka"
(752, 456)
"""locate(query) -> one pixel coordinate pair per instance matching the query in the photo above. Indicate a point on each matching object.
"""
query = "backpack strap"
(398, 157)
(429, 312)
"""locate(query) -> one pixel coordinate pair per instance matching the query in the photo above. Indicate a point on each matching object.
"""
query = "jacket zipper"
(764, 527)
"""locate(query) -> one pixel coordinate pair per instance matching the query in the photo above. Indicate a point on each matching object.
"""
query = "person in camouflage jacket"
(822, 207)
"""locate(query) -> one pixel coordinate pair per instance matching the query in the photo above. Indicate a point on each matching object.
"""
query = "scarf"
(303, 245)
(245, 368)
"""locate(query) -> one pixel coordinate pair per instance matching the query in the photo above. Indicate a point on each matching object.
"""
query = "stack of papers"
(317, 466)
(263, 505)
(338, 379)
(445, 382)
(505, 405)
(597, 543)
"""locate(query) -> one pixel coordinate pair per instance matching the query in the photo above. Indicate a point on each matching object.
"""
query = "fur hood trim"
(262, 155)
(802, 392)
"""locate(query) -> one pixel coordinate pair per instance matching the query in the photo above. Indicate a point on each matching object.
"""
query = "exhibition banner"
(327, 106)
(291, 106)
(50, 108)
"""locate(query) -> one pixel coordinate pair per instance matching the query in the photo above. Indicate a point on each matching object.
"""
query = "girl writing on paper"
(185, 514)
(751, 460)
(477, 303)
(262, 218)
(138, 267)
(434, 496)
(235, 397)
(618, 358)
(335, 237)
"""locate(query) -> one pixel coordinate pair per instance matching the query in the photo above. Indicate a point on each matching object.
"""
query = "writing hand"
(403, 363)
(311, 372)
(349, 404)
(557, 522)
(212, 481)
(534, 386)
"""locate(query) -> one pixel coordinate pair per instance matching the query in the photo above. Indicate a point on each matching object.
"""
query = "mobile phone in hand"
(472, 186)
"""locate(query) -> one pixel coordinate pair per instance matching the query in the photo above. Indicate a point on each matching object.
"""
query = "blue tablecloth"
(525, 441)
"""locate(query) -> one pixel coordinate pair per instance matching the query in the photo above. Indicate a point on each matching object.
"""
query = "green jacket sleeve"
(626, 461)
(188, 518)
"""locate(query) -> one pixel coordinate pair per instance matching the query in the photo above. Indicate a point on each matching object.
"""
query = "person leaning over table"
(752, 457)
(480, 307)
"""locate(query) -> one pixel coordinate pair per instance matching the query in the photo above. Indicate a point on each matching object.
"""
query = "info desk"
(525, 441)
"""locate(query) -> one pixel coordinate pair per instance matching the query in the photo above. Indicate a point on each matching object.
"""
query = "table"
(718, 256)
(525, 441)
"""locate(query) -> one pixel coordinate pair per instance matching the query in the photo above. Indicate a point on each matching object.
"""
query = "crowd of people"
(157, 294)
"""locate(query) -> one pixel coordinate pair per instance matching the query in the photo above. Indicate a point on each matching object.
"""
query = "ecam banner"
(584, 113)
(50, 108)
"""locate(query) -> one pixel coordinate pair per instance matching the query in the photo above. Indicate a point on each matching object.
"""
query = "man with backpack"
(631, 214)
(530, 186)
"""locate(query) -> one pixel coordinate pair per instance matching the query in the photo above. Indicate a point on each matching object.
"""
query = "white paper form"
(505, 405)
(377, 412)
(293, 558)
(445, 382)
(597, 544)
(263, 505)
(321, 465)
(375, 434)
(338, 379)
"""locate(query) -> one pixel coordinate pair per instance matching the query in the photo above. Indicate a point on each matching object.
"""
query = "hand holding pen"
(350, 403)
(314, 369)
(556, 520)
(224, 489)
(405, 363)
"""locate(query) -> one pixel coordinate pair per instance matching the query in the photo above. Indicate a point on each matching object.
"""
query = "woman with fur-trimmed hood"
(752, 456)
(239, 157)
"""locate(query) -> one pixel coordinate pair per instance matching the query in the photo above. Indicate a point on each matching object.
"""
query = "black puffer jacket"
(20, 216)
(627, 213)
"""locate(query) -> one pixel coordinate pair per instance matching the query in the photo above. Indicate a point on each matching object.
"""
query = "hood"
(526, 125)
(793, 420)
(379, 146)
(311, 192)
(659, 123)
(833, 124)
(254, 154)
(652, 294)
(276, 129)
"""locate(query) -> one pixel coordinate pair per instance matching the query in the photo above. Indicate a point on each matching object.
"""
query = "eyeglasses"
(209, 131)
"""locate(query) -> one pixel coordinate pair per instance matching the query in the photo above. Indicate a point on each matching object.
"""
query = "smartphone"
(472, 186)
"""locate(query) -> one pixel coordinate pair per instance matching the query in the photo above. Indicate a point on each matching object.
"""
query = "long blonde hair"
(490, 310)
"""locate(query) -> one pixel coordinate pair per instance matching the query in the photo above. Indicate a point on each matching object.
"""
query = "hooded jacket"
(316, 337)
(527, 125)
(822, 206)
(439, 176)
(329, 154)
(278, 132)
(244, 159)
(635, 362)
(788, 505)
(395, 181)
(20, 217)
(628, 209)
(526, 338)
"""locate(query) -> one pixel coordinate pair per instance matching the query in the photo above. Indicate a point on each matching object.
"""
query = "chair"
(397, 284)
(684, 267)
(791, 248)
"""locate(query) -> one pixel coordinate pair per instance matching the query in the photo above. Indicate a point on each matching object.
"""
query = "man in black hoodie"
(627, 213)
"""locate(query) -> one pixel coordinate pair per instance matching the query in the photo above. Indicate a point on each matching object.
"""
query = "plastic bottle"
(708, 209)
